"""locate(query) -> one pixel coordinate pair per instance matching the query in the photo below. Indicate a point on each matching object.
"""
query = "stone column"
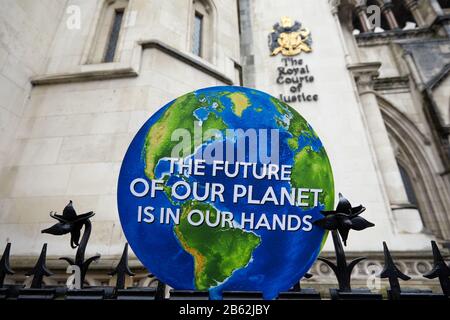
(247, 43)
(334, 6)
(386, 10)
(361, 12)
(412, 6)
(364, 74)
(407, 219)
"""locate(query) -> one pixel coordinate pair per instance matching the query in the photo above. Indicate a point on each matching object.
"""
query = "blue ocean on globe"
(277, 258)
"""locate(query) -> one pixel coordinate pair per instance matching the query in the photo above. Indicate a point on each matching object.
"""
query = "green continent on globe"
(310, 168)
(313, 169)
(217, 251)
(240, 102)
(180, 115)
(297, 125)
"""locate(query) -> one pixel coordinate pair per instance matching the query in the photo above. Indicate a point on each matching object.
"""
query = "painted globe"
(226, 257)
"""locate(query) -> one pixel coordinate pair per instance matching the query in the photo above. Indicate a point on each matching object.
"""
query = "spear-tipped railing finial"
(122, 269)
(392, 273)
(5, 268)
(440, 270)
(40, 270)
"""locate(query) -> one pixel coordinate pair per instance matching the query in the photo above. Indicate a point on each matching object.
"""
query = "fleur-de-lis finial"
(70, 222)
(339, 222)
(344, 218)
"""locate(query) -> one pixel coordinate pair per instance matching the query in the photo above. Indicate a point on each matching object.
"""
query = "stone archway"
(412, 151)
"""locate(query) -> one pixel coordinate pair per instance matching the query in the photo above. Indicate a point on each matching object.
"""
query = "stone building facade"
(79, 77)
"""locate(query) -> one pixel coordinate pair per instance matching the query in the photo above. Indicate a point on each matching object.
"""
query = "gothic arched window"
(202, 28)
(425, 188)
(409, 186)
(108, 33)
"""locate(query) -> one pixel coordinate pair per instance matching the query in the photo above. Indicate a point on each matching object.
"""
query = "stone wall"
(27, 29)
(79, 118)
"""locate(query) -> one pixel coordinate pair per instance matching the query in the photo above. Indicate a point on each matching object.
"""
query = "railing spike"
(5, 268)
(440, 270)
(391, 272)
(122, 269)
(40, 270)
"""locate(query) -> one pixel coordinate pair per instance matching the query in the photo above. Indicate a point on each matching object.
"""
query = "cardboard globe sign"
(219, 190)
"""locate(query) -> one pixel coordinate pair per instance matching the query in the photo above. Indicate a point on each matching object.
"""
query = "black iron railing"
(339, 222)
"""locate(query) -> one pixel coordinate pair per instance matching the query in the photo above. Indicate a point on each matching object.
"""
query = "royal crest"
(289, 38)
